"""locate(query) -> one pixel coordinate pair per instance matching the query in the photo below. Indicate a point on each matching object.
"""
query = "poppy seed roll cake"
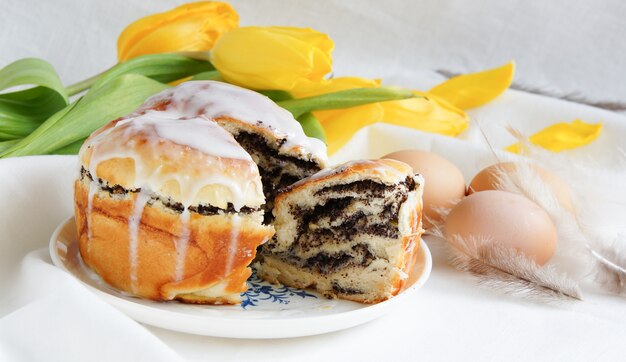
(350, 232)
(269, 133)
(169, 208)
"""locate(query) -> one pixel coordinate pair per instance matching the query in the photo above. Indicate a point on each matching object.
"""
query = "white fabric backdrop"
(46, 315)
(565, 46)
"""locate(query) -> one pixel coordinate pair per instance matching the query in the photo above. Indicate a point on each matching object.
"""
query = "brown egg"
(444, 183)
(487, 179)
(506, 218)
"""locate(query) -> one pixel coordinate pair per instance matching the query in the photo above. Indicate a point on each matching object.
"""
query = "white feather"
(591, 237)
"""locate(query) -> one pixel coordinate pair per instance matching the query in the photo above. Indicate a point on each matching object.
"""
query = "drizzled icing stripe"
(232, 247)
(182, 243)
(93, 189)
(133, 230)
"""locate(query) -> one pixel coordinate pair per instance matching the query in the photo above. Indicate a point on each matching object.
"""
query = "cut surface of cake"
(350, 232)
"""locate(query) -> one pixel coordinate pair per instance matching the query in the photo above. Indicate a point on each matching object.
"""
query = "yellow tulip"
(189, 27)
(427, 113)
(475, 89)
(272, 57)
(563, 136)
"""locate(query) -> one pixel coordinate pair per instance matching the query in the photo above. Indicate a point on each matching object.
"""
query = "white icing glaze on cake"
(196, 133)
(213, 100)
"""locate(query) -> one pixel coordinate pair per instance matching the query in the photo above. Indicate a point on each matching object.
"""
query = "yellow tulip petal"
(429, 113)
(341, 124)
(475, 89)
(189, 27)
(272, 57)
(563, 136)
(322, 44)
(308, 35)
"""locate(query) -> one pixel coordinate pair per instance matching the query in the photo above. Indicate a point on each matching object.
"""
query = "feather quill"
(507, 271)
(611, 273)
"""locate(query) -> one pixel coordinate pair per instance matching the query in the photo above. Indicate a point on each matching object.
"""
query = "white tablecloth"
(46, 315)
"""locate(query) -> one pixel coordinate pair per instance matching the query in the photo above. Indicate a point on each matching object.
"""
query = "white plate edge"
(138, 312)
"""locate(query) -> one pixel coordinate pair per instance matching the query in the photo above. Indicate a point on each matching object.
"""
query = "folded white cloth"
(66, 322)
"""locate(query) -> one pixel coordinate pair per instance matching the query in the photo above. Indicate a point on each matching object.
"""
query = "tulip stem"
(209, 75)
(312, 127)
(344, 99)
(83, 85)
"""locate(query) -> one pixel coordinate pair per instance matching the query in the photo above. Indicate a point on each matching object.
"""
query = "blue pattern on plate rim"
(262, 291)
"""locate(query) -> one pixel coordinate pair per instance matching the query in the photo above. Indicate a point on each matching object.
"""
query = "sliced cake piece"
(350, 232)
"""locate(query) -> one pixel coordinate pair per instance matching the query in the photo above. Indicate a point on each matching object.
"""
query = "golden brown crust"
(107, 252)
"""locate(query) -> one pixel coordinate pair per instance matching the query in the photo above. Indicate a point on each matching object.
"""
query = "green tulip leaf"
(165, 68)
(5, 145)
(103, 103)
(22, 111)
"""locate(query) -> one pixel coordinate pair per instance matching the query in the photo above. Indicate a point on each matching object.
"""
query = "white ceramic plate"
(267, 311)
